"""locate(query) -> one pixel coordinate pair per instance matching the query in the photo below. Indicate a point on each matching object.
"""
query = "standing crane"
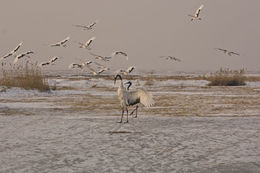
(138, 96)
(122, 96)
(130, 98)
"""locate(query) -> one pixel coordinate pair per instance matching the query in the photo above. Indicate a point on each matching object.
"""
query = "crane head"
(117, 76)
(129, 83)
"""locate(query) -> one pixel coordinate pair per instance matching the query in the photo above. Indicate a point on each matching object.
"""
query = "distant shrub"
(24, 76)
(227, 77)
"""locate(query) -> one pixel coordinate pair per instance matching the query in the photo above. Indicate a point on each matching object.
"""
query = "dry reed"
(27, 76)
(227, 77)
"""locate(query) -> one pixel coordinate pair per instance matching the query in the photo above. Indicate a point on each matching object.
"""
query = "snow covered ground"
(191, 128)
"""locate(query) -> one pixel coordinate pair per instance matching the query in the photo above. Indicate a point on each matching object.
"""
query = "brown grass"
(227, 77)
(26, 76)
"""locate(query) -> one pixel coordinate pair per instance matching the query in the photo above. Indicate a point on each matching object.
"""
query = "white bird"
(51, 61)
(138, 96)
(99, 57)
(128, 70)
(25, 54)
(120, 53)
(170, 57)
(96, 72)
(130, 98)
(12, 52)
(122, 96)
(61, 43)
(74, 65)
(197, 13)
(100, 66)
(82, 65)
(227, 52)
(87, 27)
(88, 43)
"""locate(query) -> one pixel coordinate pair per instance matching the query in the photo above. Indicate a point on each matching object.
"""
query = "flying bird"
(197, 13)
(12, 52)
(227, 52)
(51, 61)
(171, 58)
(120, 53)
(25, 54)
(96, 72)
(100, 66)
(128, 70)
(87, 27)
(61, 43)
(82, 65)
(99, 57)
(87, 44)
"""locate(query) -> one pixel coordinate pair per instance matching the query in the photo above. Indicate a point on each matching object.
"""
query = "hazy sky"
(145, 29)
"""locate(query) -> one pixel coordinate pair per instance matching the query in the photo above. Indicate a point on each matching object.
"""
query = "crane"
(130, 98)
(197, 13)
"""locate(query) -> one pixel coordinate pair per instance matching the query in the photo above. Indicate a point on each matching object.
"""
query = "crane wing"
(145, 98)
(198, 10)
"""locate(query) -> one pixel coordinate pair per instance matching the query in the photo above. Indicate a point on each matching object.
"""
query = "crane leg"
(126, 115)
(136, 111)
(121, 116)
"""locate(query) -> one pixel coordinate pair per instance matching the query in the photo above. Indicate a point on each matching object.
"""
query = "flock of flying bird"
(87, 45)
(126, 97)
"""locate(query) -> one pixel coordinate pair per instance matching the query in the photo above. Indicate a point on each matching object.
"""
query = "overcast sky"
(145, 29)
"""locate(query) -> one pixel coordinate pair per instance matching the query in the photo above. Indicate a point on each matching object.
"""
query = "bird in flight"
(87, 44)
(81, 66)
(87, 27)
(61, 43)
(51, 61)
(25, 54)
(120, 53)
(230, 53)
(127, 71)
(96, 72)
(12, 52)
(171, 58)
(197, 13)
(99, 57)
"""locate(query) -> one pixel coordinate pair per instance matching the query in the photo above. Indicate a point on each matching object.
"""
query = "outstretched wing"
(145, 98)
(230, 53)
(198, 10)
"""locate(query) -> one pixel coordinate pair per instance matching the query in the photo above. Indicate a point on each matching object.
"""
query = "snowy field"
(191, 128)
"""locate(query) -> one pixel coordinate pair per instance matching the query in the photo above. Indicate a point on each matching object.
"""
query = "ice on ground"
(253, 84)
(13, 93)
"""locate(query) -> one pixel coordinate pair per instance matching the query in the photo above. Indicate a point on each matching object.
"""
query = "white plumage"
(61, 43)
(120, 53)
(87, 27)
(12, 52)
(99, 57)
(25, 54)
(131, 98)
(88, 43)
(128, 70)
(227, 52)
(197, 13)
(51, 61)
